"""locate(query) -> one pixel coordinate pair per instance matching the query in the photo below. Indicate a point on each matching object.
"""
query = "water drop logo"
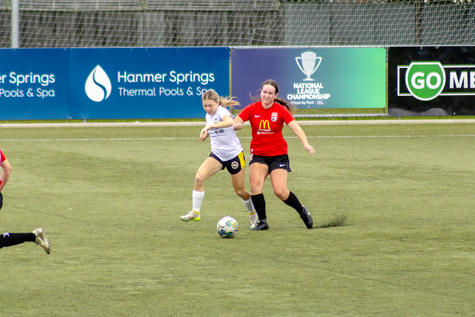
(98, 85)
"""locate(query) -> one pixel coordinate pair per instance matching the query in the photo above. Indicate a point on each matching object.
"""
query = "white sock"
(249, 205)
(197, 200)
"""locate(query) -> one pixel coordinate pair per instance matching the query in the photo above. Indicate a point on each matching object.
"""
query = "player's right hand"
(203, 134)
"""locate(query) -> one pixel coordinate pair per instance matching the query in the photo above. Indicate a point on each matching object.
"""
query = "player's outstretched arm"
(295, 127)
(238, 123)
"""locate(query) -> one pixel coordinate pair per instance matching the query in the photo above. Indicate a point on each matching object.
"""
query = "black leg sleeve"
(294, 202)
(9, 239)
(260, 205)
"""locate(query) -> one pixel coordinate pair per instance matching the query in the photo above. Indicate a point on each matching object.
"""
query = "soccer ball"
(227, 227)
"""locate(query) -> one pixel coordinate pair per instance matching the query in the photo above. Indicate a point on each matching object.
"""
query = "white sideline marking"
(287, 137)
(199, 123)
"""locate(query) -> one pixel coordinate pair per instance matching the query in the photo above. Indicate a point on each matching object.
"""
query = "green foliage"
(401, 197)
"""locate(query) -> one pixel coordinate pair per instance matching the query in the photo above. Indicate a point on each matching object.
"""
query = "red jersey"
(267, 124)
(2, 156)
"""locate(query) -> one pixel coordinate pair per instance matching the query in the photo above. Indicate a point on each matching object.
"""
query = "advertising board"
(109, 83)
(146, 82)
(34, 84)
(313, 77)
(433, 81)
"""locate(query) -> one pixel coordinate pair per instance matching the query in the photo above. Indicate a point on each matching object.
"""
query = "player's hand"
(204, 133)
(238, 125)
(310, 149)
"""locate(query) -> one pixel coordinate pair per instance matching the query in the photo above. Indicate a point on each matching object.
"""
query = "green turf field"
(110, 200)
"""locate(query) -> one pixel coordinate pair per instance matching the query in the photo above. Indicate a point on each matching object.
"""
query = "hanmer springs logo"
(98, 86)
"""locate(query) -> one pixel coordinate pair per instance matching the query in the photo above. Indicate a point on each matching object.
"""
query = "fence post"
(15, 24)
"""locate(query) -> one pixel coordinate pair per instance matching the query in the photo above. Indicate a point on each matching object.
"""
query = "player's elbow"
(7, 168)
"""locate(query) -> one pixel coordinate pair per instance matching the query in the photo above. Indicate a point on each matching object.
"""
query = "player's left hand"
(310, 149)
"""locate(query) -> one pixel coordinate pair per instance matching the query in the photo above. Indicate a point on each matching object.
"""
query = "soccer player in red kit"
(269, 150)
(8, 239)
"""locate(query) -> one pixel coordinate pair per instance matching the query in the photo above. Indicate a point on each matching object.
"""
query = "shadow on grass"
(336, 221)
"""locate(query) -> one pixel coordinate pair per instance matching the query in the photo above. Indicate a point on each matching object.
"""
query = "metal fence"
(152, 23)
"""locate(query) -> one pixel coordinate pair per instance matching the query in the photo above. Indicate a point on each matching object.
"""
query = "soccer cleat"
(307, 219)
(191, 216)
(261, 225)
(42, 240)
(253, 220)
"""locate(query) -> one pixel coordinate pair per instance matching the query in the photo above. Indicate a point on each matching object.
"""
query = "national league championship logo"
(308, 63)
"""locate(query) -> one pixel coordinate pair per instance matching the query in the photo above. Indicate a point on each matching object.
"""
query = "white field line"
(248, 137)
(199, 123)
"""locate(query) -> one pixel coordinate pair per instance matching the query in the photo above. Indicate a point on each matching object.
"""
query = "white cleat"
(42, 240)
(253, 220)
(191, 216)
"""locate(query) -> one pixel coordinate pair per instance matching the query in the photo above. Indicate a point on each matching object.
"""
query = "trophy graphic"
(308, 63)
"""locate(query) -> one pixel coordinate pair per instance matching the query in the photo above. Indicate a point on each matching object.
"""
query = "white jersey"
(224, 141)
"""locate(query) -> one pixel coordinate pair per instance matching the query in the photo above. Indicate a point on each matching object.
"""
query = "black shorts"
(273, 162)
(234, 165)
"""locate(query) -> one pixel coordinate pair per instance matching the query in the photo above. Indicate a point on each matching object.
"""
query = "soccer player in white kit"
(226, 152)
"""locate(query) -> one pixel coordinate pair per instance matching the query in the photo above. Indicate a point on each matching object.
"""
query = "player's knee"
(241, 192)
(282, 193)
(256, 188)
(199, 180)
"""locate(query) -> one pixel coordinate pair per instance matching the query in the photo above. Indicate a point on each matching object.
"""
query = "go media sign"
(426, 80)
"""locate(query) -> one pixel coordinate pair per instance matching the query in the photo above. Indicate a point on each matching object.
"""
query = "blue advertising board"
(313, 77)
(145, 82)
(110, 83)
(33, 84)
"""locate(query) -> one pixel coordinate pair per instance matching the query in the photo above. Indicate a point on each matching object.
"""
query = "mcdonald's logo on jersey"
(264, 125)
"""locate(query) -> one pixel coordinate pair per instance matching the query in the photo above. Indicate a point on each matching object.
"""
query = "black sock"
(294, 202)
(10, 239)
(260, 205)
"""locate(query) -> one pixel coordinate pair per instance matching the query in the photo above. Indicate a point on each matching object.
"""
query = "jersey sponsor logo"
(214, 132)
(264, 125)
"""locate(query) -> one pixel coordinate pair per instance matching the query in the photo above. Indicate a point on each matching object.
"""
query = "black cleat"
(261, 225)
(307, 219)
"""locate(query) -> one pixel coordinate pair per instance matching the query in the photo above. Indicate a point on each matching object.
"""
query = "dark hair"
(287, 104)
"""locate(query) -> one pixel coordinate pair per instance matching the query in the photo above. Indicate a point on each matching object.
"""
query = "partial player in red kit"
(269, 154)
(8, 239)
